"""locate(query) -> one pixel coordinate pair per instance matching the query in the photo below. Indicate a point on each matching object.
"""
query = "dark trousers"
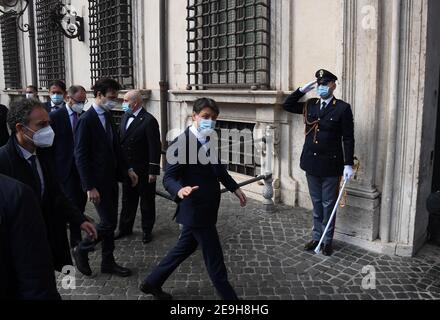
(324, 194)
(189, 239)
(130, 200)
(108, 213)
(73, 191)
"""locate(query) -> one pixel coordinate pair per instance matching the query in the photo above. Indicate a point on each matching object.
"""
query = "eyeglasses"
(85, 101)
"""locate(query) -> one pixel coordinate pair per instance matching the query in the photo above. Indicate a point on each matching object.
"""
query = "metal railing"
(267, 177)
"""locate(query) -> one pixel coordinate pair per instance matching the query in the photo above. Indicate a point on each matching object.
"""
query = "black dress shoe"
(116, 269)
(147, 238)
(82, 261)
(327, 250)
(311, 246)
(158, 293)
(121, 235)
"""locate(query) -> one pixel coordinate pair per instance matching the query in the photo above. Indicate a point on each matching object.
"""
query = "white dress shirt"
(131, 119)
(54, 107)
(200, 137)
(327, 102)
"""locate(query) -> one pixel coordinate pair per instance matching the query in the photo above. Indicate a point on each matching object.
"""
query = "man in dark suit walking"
(140, 141)
(101, 164)
(63, 122)
(27, 158)
(4, 134)
(192, 177)
(328, 150)
(57, 94)
(26, 268)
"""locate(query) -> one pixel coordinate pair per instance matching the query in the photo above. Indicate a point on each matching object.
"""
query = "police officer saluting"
(328, 151)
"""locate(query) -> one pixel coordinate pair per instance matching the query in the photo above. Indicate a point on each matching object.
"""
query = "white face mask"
(77, 107)
(109, 105)
(43, 138)
(30, 96)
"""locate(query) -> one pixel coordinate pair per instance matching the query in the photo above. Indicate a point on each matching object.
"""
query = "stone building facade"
(248, 55)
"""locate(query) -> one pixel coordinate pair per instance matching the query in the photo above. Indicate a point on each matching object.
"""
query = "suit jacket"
(141, 143)
(201, 208)
(100, 162)
(26, 268)
(63, 145)
(327, 149)
(56, 208)
(48, 106)
(4, 134)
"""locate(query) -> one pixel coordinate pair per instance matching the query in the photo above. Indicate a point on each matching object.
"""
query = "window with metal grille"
(111, 41)
(11, 56)
(117, 118)
(228, 43)
(50, 46)
(237, 147)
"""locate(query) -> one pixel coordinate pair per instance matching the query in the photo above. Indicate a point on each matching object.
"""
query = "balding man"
(140, 141)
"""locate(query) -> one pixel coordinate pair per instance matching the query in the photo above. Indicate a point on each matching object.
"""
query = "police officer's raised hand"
(186, 192)
(308, 87)
(240, 195)
(348, 172)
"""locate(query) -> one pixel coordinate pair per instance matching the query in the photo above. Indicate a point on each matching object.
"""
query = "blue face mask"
(57, 98)
(206, 125)
(126, 107)
(323, 92)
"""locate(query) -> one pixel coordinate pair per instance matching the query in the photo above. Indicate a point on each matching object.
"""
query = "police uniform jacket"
(329, 141)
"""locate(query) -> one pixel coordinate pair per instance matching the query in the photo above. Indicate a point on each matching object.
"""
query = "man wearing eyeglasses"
(63, 122)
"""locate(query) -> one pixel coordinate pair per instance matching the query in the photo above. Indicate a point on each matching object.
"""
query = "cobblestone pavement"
(265, 259)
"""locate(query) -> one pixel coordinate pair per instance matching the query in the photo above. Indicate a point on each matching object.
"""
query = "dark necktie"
(323, 105)
(33, 160)
(74, 121)
(108, 128)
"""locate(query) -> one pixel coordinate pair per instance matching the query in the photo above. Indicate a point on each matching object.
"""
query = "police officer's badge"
(321, 73)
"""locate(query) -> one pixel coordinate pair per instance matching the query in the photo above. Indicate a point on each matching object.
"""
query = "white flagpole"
(318, 248)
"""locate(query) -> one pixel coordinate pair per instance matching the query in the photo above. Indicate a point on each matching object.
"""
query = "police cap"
(324, 76)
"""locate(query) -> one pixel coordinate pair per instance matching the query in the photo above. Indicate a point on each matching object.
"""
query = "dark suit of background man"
(26, 268)
(196, 189)
(63, 122)
(329, 145)
(4, 134)
(101, 164)
(140, 141)
(27, 158)
(57, 94)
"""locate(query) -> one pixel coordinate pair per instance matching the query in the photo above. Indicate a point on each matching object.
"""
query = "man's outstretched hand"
(240, 195)
(186, 192)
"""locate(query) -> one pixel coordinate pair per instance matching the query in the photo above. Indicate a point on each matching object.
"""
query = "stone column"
(358, 67)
